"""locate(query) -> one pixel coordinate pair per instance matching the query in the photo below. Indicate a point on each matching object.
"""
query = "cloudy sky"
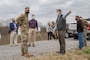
(45, 10)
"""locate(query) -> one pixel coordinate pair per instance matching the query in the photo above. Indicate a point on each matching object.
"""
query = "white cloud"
(43, 1)
(69, 3)
(45, 10)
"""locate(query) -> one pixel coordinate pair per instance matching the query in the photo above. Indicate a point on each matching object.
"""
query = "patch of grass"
(73, 54)
(86, 50)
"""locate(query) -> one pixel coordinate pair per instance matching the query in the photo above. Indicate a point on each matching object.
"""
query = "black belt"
(32, 27)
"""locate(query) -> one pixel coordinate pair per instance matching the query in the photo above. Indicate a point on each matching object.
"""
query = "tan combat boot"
(28, 55)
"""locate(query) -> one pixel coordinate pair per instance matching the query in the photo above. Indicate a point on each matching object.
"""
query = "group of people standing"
(29, 28)
(82, 25)
(49, 29)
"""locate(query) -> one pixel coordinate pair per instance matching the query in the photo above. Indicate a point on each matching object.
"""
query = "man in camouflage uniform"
(22, 21)
(85, 25)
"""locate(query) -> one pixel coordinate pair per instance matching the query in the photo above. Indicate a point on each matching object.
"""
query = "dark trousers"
(61, 36)
(50, 35)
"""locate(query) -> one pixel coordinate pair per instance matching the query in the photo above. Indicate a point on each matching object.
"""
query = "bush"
(6, 36)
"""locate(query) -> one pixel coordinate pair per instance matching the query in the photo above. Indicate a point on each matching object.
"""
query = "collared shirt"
(15, 26)
(33, 23)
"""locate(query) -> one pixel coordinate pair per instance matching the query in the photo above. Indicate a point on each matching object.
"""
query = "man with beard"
(22, 21)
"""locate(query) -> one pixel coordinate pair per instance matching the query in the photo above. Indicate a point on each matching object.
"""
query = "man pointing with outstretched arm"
(61, 28)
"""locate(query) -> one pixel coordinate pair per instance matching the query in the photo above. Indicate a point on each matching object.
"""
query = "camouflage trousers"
(24, 42)
(85, 38)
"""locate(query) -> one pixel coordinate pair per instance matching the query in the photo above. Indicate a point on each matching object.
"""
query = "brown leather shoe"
(28, 55)
(23, 54)
(33, 45)
(29, 45)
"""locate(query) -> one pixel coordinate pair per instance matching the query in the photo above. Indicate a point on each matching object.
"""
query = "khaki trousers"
(32, 35)
(13, 38)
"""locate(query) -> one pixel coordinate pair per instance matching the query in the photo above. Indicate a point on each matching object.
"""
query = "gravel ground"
(14, 53)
